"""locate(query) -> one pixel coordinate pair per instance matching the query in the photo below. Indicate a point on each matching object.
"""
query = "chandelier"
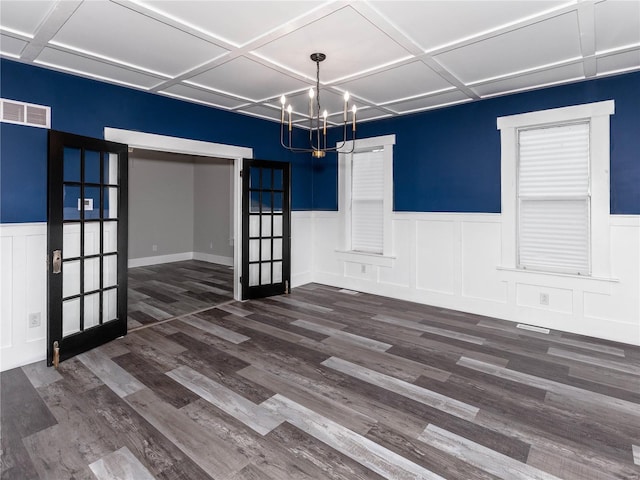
(317, 127)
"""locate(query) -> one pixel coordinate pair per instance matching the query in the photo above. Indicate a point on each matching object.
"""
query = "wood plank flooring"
(169, 290)
(327, 384)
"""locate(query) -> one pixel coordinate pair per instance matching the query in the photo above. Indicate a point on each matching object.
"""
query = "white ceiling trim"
(54, 20)
(103, 58)
(596, 38)
(506, 28)
(90, 75)
(540, 68)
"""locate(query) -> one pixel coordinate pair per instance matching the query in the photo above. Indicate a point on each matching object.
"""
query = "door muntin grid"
(90, 230)
(266, 221)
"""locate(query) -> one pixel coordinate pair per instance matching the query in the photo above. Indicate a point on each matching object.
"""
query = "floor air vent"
(21, 113)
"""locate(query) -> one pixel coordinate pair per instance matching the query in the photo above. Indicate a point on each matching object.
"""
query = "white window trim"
(386, 142)
(598, 114)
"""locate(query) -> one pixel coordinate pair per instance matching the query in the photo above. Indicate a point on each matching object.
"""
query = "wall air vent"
(21, 113)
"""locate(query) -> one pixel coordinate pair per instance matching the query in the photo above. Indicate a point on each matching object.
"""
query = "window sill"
(366, 258)
(542, 273)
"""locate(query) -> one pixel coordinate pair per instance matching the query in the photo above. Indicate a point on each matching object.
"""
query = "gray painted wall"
(212, 207)
(178, 203)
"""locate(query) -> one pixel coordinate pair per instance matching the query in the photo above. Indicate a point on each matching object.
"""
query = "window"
(367, 201)
(366, 195)
(554, 198)
(555, 190)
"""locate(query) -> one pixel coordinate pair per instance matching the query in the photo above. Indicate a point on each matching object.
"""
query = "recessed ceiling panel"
(23, 16)
(352, 44)
(229, 20)
(93, 68)
(428, 102)
(247, 78)
(542, 43)
(202, 96)
(11, 46)
(262, 111)
(554, 75)
(435, 23)
(618, 62)
(617, 24)
(268, 112)
(110, 30)
(407, 80)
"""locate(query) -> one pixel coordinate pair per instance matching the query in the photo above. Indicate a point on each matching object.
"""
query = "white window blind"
(367, 197)
(554, 198)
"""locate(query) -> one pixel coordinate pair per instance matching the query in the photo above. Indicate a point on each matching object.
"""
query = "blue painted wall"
(448, 160)
(85, 107)
(23, 174)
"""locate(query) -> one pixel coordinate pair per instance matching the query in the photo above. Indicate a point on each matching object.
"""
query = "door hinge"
(56, 354)
(241, 172)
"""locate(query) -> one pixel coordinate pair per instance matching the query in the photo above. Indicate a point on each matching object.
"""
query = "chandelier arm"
(282, 135)
(318, 101)
(318, 145)
(300, 150)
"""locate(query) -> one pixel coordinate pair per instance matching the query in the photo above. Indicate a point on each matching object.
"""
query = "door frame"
(265, 290)
(164, 143)
(60, 346)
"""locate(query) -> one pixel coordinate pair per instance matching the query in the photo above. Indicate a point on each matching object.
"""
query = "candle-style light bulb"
(353, 117)
(282, 101)
(311, 95)
(346, 104)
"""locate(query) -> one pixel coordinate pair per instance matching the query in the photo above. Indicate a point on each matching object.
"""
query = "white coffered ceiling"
(394, 57)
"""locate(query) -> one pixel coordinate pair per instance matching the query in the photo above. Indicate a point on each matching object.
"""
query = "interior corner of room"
(180, 207)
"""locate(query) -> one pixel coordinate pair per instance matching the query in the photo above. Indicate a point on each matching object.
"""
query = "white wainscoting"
(301, 252)
(453, 261)
(448, 260)
(23, 291)
(23, 282)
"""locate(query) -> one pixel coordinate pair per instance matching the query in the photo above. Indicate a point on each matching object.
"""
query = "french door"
(87, 244)
(266, 227)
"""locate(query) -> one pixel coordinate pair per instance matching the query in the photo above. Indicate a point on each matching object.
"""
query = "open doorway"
(181, 242)
(163, 143)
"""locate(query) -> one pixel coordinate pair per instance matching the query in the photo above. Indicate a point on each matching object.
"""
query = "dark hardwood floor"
(328, 384)
(169, 290)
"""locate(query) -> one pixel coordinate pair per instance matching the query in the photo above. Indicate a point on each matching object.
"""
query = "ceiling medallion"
(317, 128)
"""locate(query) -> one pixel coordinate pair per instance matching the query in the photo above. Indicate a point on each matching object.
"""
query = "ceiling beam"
(53, 22)
(587, 26)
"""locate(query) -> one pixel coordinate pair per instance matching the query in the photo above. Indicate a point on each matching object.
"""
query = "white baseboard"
(299, 279)
(211, 258)
(174, 257)
(180, 257)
